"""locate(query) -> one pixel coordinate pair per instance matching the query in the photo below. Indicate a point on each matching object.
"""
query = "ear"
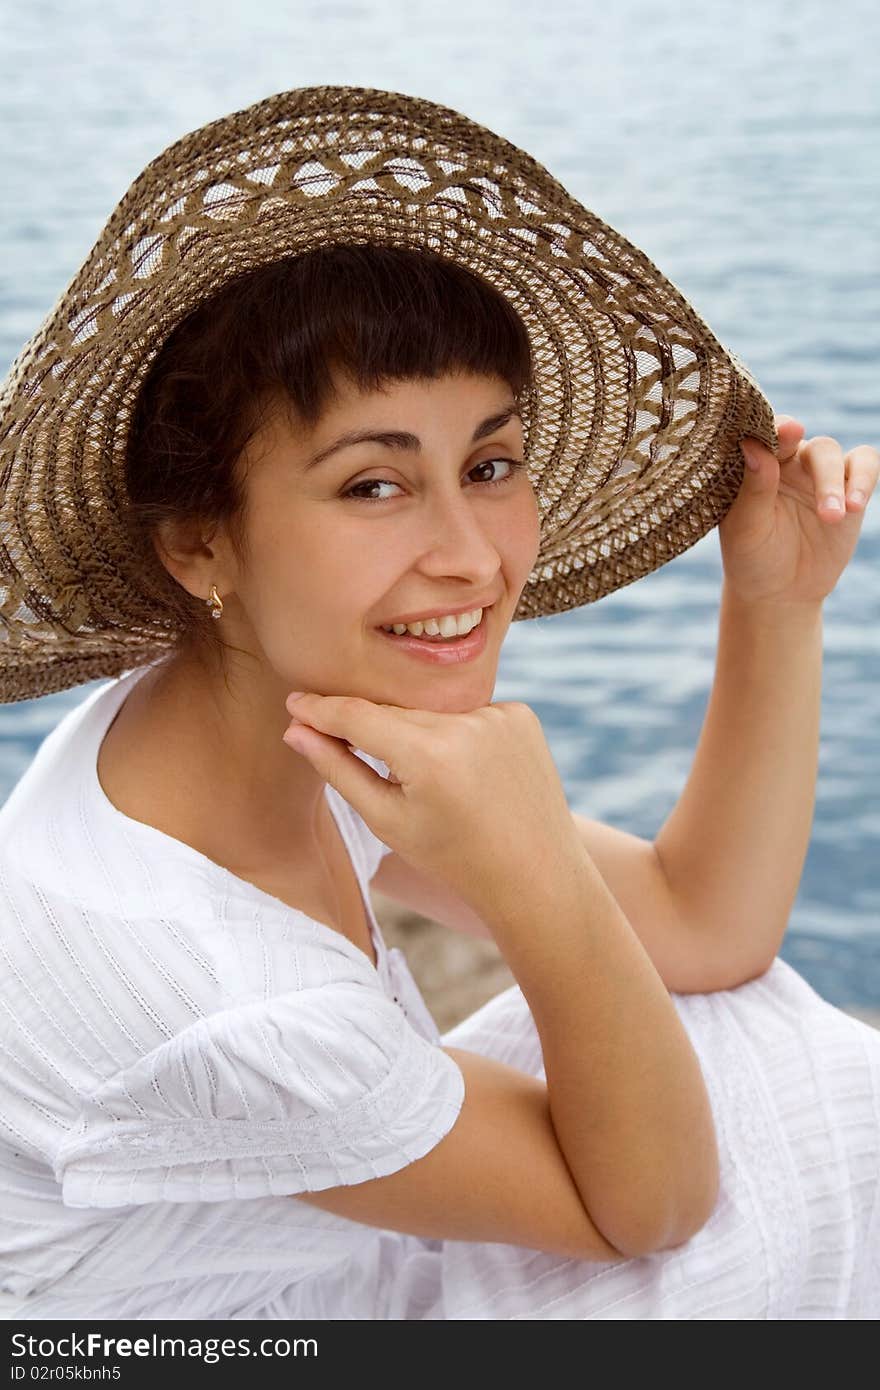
(195, 554)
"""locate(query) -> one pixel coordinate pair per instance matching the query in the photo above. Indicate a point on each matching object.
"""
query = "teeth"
(446, 626)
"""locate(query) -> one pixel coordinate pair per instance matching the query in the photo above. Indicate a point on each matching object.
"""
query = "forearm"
(625, 1088)
(733, 847)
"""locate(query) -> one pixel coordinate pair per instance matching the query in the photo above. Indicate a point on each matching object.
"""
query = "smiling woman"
(201, 1021)
(284, 336)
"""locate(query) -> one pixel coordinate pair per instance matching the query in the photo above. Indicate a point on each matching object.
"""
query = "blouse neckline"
(114, 696)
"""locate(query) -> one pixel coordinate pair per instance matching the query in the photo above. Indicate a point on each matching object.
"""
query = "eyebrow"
(402, 439)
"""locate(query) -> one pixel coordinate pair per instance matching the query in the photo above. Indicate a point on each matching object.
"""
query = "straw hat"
(631, 427)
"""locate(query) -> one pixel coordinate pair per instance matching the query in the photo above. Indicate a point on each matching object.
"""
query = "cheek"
(317, 580)
(283, 580)
(525, 534)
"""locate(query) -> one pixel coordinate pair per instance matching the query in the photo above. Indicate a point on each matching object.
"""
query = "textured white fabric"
(794, 1085)
(182, 1051)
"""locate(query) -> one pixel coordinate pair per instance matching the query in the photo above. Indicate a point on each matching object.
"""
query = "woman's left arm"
(733, 848)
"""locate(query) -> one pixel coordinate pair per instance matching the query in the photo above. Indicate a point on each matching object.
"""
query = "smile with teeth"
(440, 629)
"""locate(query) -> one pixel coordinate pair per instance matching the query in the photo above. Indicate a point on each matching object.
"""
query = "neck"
(220, 734)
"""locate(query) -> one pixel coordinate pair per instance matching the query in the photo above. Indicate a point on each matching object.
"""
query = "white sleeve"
(319, 1087)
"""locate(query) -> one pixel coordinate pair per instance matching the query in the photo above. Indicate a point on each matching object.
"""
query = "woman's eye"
(514, 466)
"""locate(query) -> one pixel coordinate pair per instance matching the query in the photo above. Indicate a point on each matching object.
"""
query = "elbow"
(668, 1234)
(698, 1200)
(669, 1225)
(691, 1222)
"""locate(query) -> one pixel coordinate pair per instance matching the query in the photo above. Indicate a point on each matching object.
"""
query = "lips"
(436, 637)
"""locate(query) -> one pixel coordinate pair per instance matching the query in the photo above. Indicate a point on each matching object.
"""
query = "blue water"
(736, 143)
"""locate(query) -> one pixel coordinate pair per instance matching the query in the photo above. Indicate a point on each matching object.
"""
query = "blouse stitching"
(192, 1140)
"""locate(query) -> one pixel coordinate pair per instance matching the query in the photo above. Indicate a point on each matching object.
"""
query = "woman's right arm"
(615, 1156)
(475, 800)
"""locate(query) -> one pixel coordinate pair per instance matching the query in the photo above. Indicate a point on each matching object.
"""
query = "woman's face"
(452, 524)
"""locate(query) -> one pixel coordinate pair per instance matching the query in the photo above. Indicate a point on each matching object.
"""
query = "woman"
(660, 1119)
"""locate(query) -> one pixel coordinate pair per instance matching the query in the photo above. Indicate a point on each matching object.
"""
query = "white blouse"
(183, 1051)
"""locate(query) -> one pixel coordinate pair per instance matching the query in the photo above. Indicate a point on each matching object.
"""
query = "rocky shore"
(457, 973)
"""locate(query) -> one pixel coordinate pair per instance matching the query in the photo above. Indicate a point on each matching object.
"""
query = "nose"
(456, 540)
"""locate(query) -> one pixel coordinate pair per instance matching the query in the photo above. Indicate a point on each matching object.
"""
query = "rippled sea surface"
(736, 144)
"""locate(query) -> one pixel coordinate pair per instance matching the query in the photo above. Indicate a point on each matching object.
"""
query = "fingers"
(862, 475)
(790, 433)
(380, 730)
(354, 779)
(840, 483)
(823, 459)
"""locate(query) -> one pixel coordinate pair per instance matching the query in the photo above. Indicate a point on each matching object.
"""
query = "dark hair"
(377, 313)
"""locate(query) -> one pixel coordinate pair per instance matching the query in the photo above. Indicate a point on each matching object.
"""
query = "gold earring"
(215, 602)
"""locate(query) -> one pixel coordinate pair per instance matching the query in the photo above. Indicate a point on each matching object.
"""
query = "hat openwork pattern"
(631, 425)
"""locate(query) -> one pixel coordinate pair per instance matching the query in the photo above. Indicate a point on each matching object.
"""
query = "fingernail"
(833, 504)
(293, 696)
(294, 739)
(750, 454)
(858, 498)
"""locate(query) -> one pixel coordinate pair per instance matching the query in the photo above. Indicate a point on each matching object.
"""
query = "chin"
(460, 701)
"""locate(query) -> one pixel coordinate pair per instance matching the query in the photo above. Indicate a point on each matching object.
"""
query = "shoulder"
(188, 1057)
(91, 989)
(53, 828)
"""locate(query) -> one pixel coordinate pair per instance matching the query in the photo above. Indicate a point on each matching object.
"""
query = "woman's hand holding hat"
(474, 799)
(781, 540)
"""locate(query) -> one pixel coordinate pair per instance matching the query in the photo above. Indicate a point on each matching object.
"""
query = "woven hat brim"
(631, 427)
